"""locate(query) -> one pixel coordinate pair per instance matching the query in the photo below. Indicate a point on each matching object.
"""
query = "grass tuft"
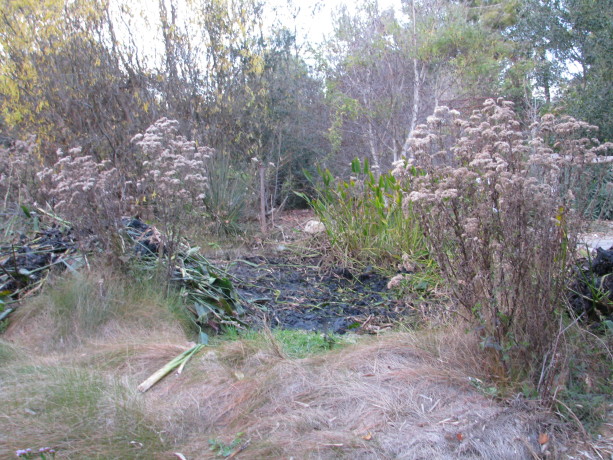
(82, 413)
(289, 343)
(95, 306)
(8, 352)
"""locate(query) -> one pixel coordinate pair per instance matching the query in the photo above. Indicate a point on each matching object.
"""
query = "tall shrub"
(496, 207)
(173, 180)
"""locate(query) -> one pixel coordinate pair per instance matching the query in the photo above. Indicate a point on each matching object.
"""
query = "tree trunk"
(416, 86)
(373, 151)
(262, 169)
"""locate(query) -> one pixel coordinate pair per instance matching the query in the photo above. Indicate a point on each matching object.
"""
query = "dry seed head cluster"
(173, 165)
(166, 175)
(82, 189)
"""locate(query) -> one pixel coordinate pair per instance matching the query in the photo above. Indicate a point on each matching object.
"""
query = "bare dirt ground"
(298, 294)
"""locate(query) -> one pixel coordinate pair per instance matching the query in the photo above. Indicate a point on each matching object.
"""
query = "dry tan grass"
(93, 307)
(388, 397)
(402, 395)
(70, 363)
(385, 399)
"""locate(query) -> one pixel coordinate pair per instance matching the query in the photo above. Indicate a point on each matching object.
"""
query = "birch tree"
(387, 72)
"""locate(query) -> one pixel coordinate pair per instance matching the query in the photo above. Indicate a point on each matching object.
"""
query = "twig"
(54, 217)
(240, 449)
(7, 273)
(535, 456)
(435, 404)
(575, 418)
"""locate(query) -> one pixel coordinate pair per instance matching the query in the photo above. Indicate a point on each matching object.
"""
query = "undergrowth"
(226, 197)
(291, 343)
(82, 413)
(364, 218)
(8, 352)
(587, 391)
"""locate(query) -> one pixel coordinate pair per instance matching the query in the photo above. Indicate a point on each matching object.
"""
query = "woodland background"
(91, 74)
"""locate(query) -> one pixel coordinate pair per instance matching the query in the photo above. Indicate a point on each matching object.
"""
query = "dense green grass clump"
(365, 219)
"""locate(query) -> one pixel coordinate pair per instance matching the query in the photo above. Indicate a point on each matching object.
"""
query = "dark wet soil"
(591, 293)
(301, 295)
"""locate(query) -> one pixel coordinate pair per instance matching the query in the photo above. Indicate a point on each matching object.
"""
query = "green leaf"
(304, 197)
(202, 312)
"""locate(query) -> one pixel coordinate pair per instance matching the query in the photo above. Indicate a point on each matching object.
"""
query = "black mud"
(591, 293)
(301, 295)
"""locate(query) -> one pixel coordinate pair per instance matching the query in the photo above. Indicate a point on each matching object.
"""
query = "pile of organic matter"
(25, 263)
(592, 292)
(210, 295)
